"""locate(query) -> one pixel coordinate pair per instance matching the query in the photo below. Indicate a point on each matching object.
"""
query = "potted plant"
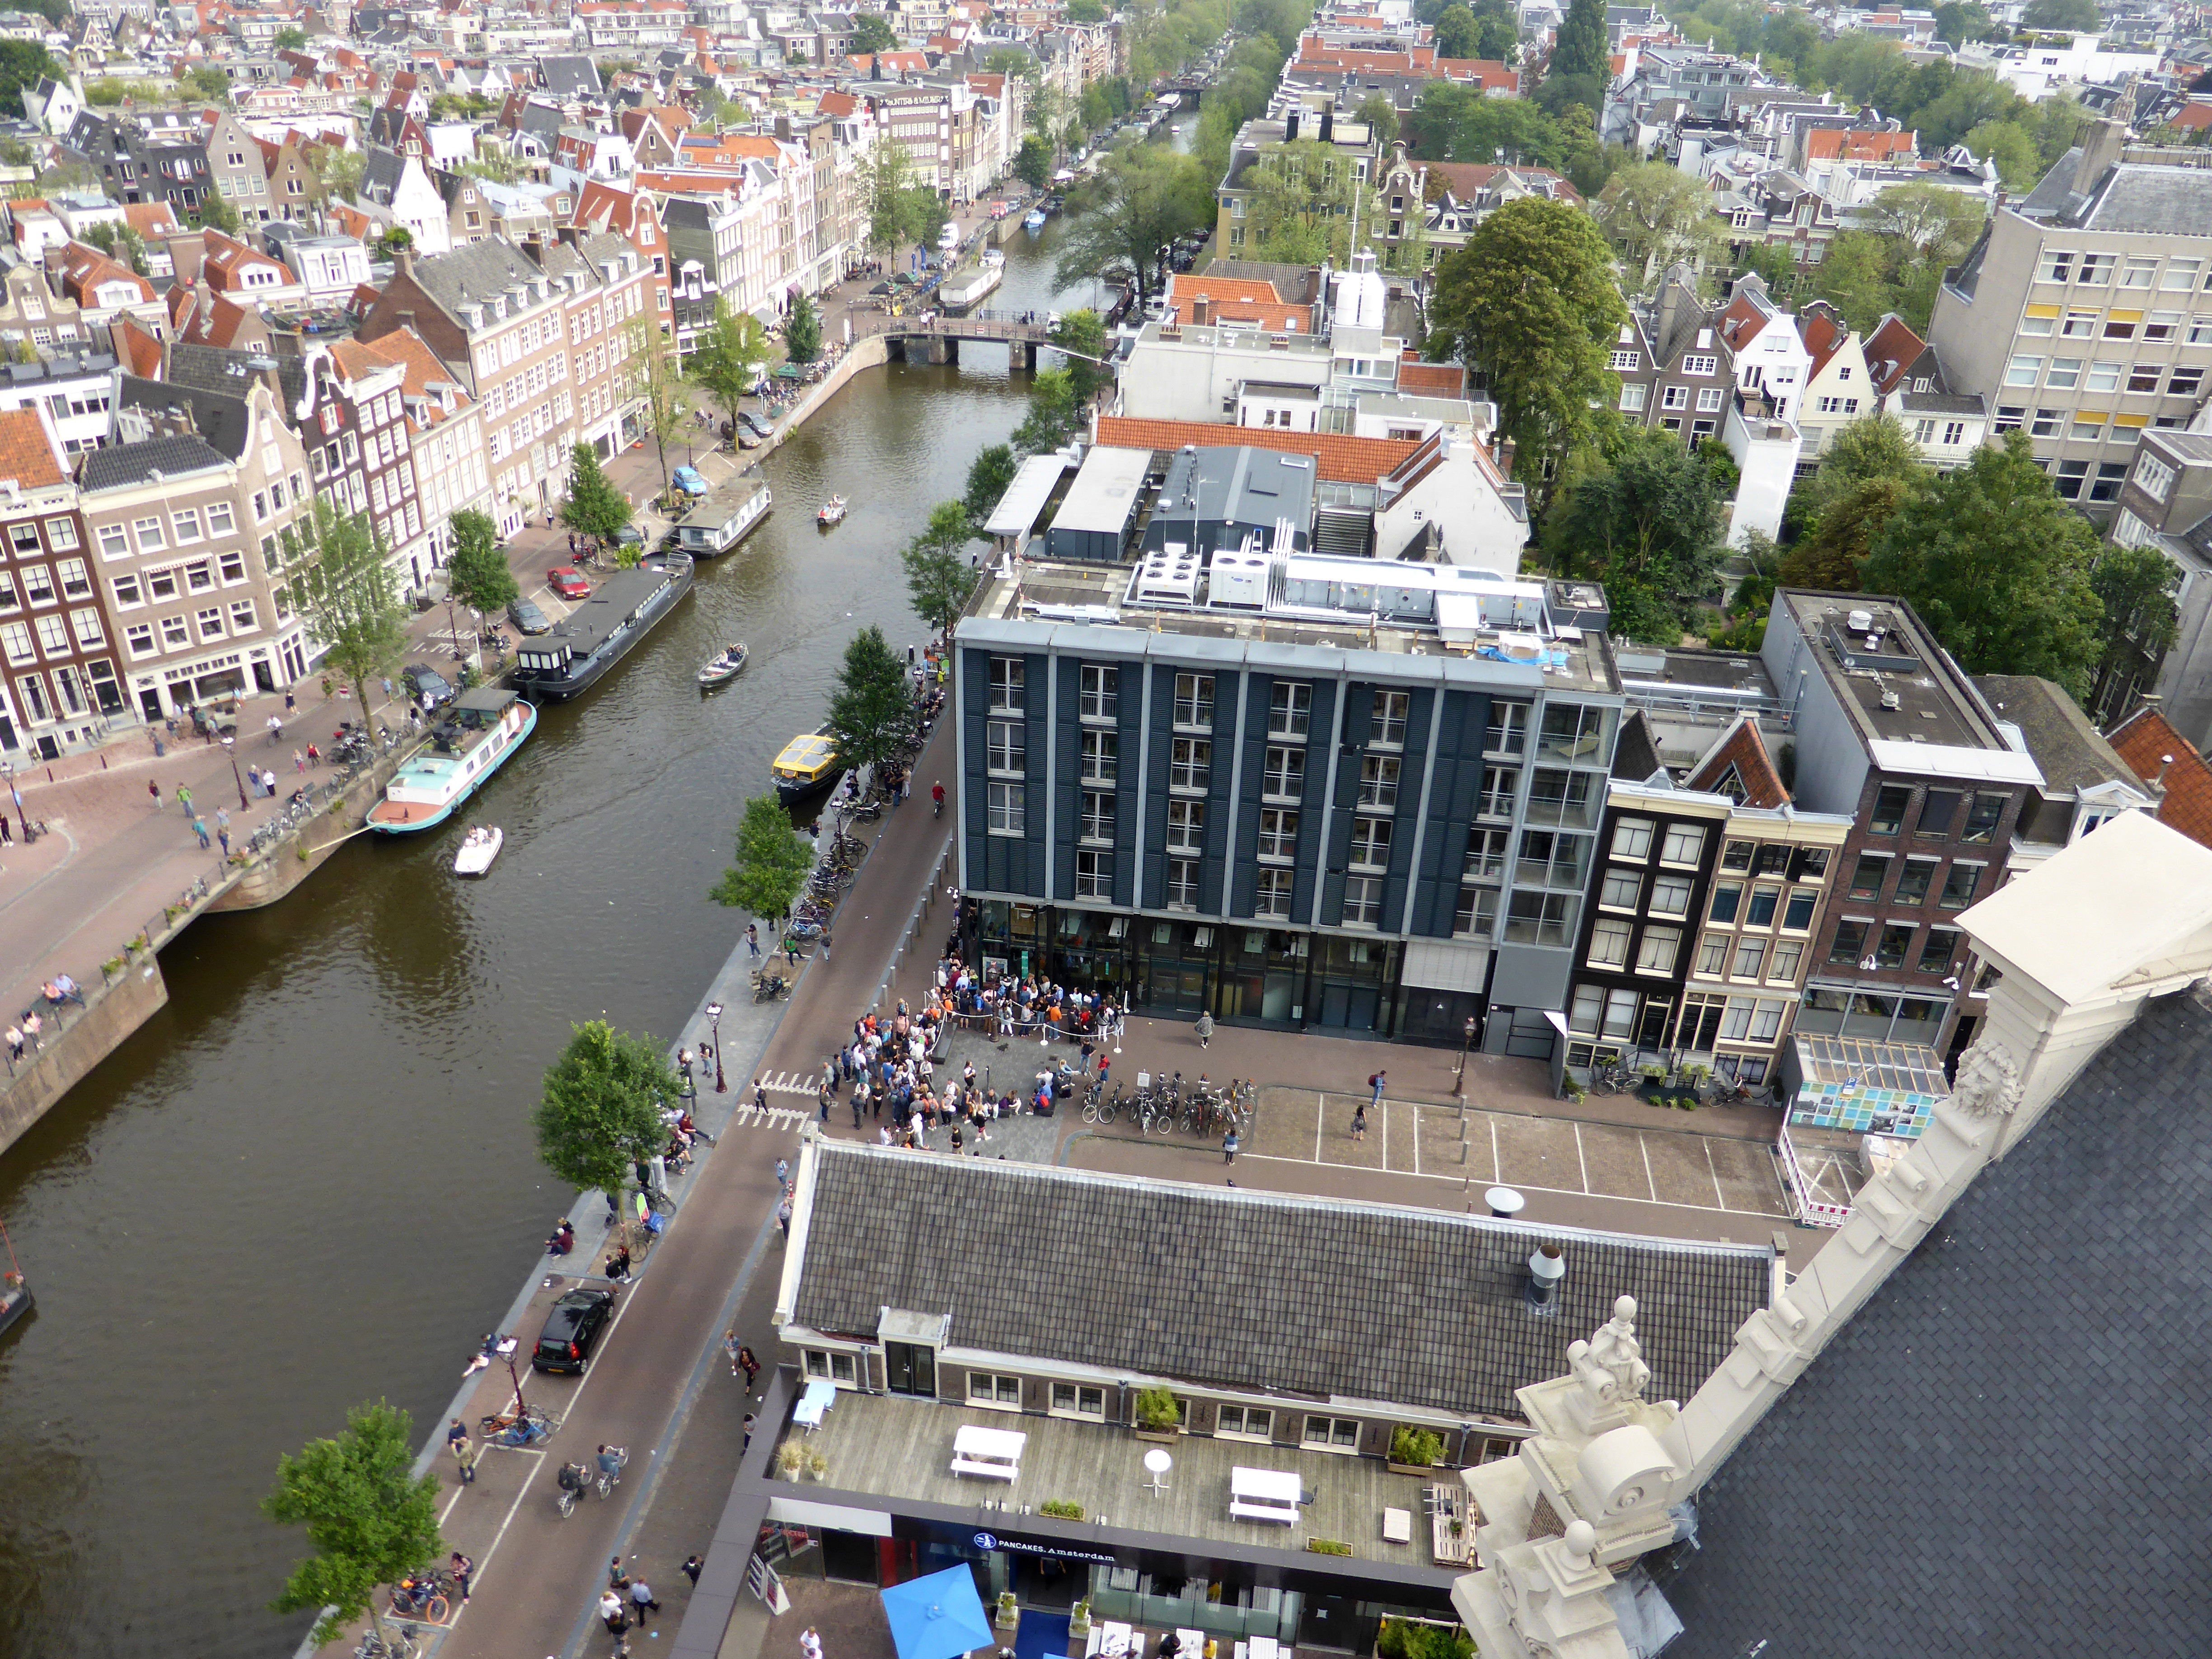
(1159, 1414)
(791, 1460)
(818, 1463)
(1010, 1612)
(1415, 1451)
(1078, 1618)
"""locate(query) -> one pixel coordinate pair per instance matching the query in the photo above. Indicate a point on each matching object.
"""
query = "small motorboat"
(833, 511)
(994, 258)
(1033, 220)
(478, 848)
(722, 667)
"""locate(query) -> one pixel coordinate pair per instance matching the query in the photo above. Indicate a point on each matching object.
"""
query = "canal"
(311, 1180)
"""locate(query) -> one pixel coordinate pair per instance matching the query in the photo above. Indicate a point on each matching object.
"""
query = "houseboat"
(961, 293)
(724, 518)
(1033, 220)
(483, 727)
(598, 633)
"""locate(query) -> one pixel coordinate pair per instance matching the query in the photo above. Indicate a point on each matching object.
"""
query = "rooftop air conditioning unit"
(1240, 579)
(1859, 622)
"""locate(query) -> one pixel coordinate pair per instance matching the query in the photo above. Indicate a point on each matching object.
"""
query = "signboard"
(766, 1583)
(988, 1541)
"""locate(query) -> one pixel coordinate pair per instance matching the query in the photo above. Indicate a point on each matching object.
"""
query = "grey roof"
(2069, 752)
(219, 416)
(475, 274)
(2164, 201)
(1238, 1287)
(2005, 1442)
(565, 75)
(223, 369)
(381, 171)
(120, 465)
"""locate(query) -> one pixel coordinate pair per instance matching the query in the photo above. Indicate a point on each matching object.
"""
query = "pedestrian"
(456, 1431)
(155, 790)
(387, 688)
(760, 1097)
(791, 950)
(747, 1447)
(33, 1024)
(223, 835)
(753, 939)
(464, 1455)
(223, 817)
(1360, 1122)
(692, 1562)
(289, 703)
(810, 1643)
(199, 828)
(299, 761)
(185, 800)
(730, 1346)
(461, 1567)
(1229, 1146)
(783, 1219)
(825, 942)
(1205, 1029)
(821, 1099)
(642, 1601)
(617, 1578)
(1376, 1083)
(749, 1365)
(616, 1613)
(15, 1047)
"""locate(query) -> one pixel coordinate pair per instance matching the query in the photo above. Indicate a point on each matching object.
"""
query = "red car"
(568, 583)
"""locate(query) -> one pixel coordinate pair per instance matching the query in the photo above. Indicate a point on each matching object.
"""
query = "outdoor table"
(812, 1405)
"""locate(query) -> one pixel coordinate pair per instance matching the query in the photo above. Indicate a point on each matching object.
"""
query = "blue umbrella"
(939, 1617)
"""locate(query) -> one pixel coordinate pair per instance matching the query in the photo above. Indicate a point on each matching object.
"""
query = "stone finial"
(1581, 1541)
(1610, 1366)
(1987, 1083)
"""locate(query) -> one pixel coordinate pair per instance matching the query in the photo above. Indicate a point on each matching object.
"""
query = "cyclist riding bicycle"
(611, 1463)
(937, 795)
(575, 1477)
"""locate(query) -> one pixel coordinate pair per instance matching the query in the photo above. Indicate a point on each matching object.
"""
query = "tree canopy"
(902, 210)
(601, 1110)
(1033, 165)
(335, 569)
(593, 506)
(872, 34)
(773, 862)
(1657, 215)
(478, 571)
(1300, 211)
(989, 477)
(727, 358)
(1646, 518)
(1054, 413)
(656, 382)
(370, 1520)
(1998, 567)
(1128, 212)
(802, 331)
(938, 576)
(871, 710)
(2136, 586)
(1530, 303)
(1580, 49)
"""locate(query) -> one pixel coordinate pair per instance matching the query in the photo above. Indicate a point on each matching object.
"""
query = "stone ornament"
(1988, 1081)
(1610, 1365)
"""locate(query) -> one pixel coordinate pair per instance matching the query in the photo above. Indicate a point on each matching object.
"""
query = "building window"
(1101, 756)
(1539, 919)
(1658, 951)
(1278, 835)
(1006, 809)
(1185, 826)
(1194, 700)
(1079, 1400)
(1750, 957)
(1388, 728)
(1982, 819)
(1286, 776)
(1701, 365)
(1363, 901)
(1670, 896)
(1849, 944)
(1621, 890)
(2152, 475)
(1625, 361)
(1787, 955)
(1500, 785)
(1708, 400)
(1896, 943)
(1556, 796)
(1958, 886)
(1867, 878)
(1378, 782)
(1190, 765)
(1331, 1434)
(1913, 884)
(1632, 397)
(1182, 883)
(1008, 746)
(1683, 845)
(993, 1388)
(151, 539)
(1370, 843)
(1477, 917)
(1290, 709)
(1097, 815)
(1007, 689)
(1938, 951)
(2020, 371)
(2056, 266)
(1673, 397)
(1094, 874)
(1728, 900)
(1609, 943)
(1631, 838)
(837, 1367)
(1486, 852)
(1100, 693)
(1889, 805)
(1249, 1421)
(211, 622)
(1712, 954)
(1274, 902)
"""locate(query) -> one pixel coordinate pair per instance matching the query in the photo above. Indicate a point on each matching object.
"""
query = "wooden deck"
(898, 1446)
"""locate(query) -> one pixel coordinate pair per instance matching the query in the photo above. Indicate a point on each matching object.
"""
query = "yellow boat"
(808, 765)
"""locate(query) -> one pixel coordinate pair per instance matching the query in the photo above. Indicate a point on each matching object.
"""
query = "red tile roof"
(1743, 753)
(1891, 350)
(1336, 460)
(1839, 144)
(2146, 740)
(1433, 380)
(26, 453)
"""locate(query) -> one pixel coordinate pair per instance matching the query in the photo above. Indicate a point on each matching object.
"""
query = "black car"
(573, 1329)
(527, 616)
(427, 684)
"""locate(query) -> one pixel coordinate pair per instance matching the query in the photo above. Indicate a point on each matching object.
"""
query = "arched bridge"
(925, 334)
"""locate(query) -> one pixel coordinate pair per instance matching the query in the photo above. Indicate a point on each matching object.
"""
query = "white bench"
(1268, 1495)
(989, 1453)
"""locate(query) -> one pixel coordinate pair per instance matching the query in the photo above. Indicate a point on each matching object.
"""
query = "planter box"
(1410, 1468)
(1162, 1435)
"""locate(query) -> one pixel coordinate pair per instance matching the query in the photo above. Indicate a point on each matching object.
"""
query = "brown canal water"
(311, 1179)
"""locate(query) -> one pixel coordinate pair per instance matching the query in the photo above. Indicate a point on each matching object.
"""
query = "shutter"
(1068, 769)
(1244, 873)
(1037, 767)
(1452, 791)
(1213, 865)
(975, 811)
(1359, 721)
(1129, 703)
(1312, 826)
(1406, 820)
(1153, 877)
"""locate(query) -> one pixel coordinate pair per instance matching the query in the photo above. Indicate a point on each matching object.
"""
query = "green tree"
(209, 82)
(1832, 555)
(1380, 117)
(1128, 213)
(1961, 21)
(1998, 567)
(477, 570)
(1657, 215)
(989, 476)
(1053, 416)
(938, 576)
(1650, 519)
(728, 356)
(871, 710)
(1773, 265)
(1873, 446)
(601, 1110)
(2061, 16)
(871, 34)
(335, 569)
(370, 1521)
(1530, 302)
(1580, 48)
(2136, 586)
(216, 214)
(592, 506)
(901, 210)
(22, 63)
(1457, 35)
(119, 242)
(1456, 123)
(802, 331)
(1033, 164)
(773, 862)
(339, 173)
(1085, 11)
(1081, 335)
(289, 39)
(2012, 147)
(655, 380)
(1859, 277)
(1300, 208)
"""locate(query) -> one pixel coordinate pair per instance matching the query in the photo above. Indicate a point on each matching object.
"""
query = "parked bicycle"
(424, 1595)
(403, 1645)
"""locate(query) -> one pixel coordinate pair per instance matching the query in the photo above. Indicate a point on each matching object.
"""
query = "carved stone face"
(1988, 1083)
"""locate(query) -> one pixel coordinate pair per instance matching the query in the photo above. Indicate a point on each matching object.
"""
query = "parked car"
(573, 1325)
(568, 583)
(948, 238)
(760, 428)
(630, 536)
(427, 684)
(527, 616)
(690, 481)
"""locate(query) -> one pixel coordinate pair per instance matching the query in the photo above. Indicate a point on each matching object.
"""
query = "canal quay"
(310, 1179)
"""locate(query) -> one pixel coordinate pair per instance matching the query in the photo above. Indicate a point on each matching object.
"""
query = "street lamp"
(1465, 1042)
(715, 1019)
(230, 748)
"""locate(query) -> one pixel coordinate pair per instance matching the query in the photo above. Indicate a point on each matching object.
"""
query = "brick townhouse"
(60, 689)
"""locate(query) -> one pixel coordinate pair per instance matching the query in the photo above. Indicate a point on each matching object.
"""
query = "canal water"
(311, 1179)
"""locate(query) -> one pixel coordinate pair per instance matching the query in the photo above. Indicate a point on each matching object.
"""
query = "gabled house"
(103, 290)
(399, 185)
(1909, 383)
(1676, 369)
(1771, 358)
(634, 216)
(1838, 388)
(238, 272)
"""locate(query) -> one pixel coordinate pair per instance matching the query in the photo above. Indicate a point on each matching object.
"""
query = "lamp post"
(230, 748)
(1459, 1075)
(714, 1020)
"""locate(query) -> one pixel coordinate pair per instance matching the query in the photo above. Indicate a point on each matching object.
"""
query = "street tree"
(1456, 33)
(656, 382)
(1033, 163)
(1999, 568)
(599, 1114)
(1302, 201)
(989, 477)
(216, 214)
(478, 573)
(871, 34)
(1129, 212)
(290, 38)
(1871, 446)
(1658, 214)
(871, 710)
(802, 331)
(2136, 586)
(773, 862)
(1579, 49)
(903, 211)
(369, 1519)
(335, 569)
(1380, 117)
(593, 506)
(939, 577)
(1081, 335)
(1055, 415)
(1530, 301)
(728, 356)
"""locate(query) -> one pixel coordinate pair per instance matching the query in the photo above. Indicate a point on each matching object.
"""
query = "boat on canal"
(1033, 221)
(808, 765)
(16, 1299)
(478, 848)
(833, 511)
(720, 520)
(598, 633)
(962, 293)
(480, 730)
(722, 667)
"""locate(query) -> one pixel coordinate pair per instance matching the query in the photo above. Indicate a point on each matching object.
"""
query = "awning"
(939, 1617)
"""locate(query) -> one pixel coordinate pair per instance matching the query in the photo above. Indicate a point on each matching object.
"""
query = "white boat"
(478, 848)
(831, 511)
(961, 292)
(995, 256)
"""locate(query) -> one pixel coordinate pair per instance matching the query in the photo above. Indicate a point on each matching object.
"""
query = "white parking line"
(1582, 1162)
(1720, 1199)
(1643, 1146)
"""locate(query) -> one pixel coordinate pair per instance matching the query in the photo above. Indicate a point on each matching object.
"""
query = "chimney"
(1291, 128)
(1548, 1268)
(404, 262)
(2100, 148)
(1327, 123)
(1198, 311)
(1673, 295)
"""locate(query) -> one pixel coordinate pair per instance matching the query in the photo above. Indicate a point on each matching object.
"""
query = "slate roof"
(2071, 754)
(220, 416)
(1238, 1287)
(2005, 1442)
(131, 463)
